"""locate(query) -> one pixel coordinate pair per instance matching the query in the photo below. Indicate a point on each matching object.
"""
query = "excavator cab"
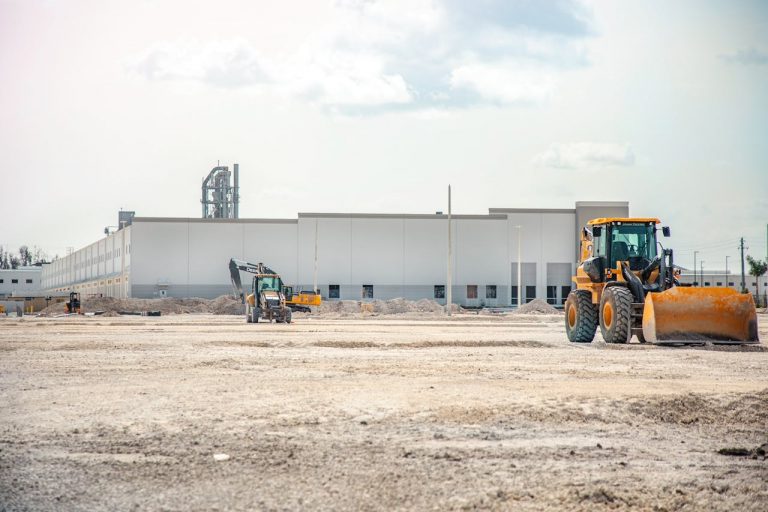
(627, 284)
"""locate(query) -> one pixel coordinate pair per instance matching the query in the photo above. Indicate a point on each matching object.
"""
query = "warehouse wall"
(399, 255)
(182, 257)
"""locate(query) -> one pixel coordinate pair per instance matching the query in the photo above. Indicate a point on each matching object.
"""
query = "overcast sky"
(375, 106)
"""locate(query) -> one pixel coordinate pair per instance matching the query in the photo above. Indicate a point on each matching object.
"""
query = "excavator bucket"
(685, 315)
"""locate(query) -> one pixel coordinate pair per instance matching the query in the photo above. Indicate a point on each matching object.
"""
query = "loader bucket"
(685, 314)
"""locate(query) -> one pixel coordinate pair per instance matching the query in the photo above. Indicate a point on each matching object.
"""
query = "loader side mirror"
(597, 231)
(665, 230)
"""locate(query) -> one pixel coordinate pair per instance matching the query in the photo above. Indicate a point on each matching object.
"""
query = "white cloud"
(586, 155)
(504, 84)
(419, 54)
(748, 56)
(228, 63)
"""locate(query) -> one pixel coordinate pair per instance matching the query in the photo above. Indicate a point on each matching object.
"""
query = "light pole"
(694, 267)
(519, 264)
(702, 272)
(448, 277)
(726, 271)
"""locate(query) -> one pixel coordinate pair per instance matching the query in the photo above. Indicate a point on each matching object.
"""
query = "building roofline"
(213, 221)
(399, 216)
(601, 203)
(530, 210)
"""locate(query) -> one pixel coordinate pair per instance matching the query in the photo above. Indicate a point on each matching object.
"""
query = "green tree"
(757, 268)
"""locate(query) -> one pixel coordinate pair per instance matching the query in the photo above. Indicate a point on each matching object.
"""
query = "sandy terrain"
(472, 412)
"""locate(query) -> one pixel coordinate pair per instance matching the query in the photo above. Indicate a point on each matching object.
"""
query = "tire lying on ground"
(616, 314)
(580, 317)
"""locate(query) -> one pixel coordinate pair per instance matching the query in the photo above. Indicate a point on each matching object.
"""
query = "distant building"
(359, 256)
(720, 278)
(21, 282)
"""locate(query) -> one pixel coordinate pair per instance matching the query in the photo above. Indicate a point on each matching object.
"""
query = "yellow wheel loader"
(626, 283)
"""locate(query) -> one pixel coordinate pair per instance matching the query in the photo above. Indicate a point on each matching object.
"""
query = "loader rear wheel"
(616, 314)
(580, 317)
(287, 317)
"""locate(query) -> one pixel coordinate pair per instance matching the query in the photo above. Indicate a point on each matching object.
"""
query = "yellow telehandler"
(627, 287)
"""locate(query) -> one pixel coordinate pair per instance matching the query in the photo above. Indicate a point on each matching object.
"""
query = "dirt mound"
(223, 305)
(536, 307)
(398, 306)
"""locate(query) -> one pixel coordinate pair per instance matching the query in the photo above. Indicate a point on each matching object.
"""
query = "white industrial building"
(20, 282)
(359, 256)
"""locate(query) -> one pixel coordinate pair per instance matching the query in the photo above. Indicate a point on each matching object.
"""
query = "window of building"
(514, 295)
(695, 283)
(719, 283)
(530, 293)
(551, 294)
(334, 291)
(490, 291)
(1, 281)
(706, 283)
(471, 291)
(439, 291)
(14, 281)
(564, 291)
(29, 281)
(367, 291)
(730, 284)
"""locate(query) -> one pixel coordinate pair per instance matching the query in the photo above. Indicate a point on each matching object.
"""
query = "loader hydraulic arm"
(236, 266)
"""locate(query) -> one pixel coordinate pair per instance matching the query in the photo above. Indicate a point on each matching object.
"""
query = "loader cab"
(263, 283)
(625, 240)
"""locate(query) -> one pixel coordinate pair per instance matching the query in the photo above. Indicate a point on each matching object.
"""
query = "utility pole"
(702, 272)
(519, 265)
(694, 267)
(448, 297)
(743, 279)
(314, 276)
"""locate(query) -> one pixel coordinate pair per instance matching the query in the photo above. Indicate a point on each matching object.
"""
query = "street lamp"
(694, 266)
(519, 265)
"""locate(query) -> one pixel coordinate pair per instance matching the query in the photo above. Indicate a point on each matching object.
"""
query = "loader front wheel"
(616, 314)
(580, 317)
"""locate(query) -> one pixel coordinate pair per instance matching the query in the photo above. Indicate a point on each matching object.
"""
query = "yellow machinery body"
(699, 314)
(304, 299)
(648, 301)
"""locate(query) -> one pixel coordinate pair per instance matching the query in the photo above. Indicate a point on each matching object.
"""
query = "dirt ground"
(204, 412)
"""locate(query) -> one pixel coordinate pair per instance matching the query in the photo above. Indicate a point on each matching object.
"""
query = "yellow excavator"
(627, 283)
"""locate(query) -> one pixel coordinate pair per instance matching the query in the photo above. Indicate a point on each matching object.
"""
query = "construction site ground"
(205, 412)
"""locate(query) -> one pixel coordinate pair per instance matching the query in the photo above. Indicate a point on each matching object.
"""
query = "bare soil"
(204, 412)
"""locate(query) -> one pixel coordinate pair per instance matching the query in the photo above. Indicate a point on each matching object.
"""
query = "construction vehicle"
(627, 283)
(73, 304)
(302, 300)
(266, 300)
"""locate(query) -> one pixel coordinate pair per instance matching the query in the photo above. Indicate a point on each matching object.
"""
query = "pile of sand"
(110, 306)
(379, 307)
(536, 307)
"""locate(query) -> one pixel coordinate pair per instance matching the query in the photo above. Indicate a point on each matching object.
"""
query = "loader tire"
(288, 315)
(255, 314)
(248, 318)
(580, 317)
(616, 314)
